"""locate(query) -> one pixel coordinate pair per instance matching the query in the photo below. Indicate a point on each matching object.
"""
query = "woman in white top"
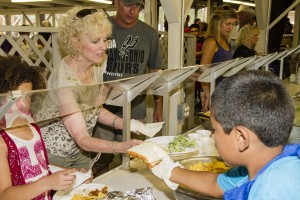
(83, 34)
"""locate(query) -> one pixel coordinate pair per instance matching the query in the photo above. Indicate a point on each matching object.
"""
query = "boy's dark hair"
(195, 26)
(14, 72)
(257, 100)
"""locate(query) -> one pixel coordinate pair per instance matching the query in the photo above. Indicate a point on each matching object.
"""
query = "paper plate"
(80, 176)
(164, 141)
(83, 189)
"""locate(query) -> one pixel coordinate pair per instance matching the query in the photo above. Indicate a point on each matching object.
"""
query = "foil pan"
(138, 194)
(183, 193)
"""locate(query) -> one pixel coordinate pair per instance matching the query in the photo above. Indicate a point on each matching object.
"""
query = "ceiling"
(6, 7)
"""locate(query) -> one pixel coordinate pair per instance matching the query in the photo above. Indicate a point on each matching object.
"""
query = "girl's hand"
(61, 180)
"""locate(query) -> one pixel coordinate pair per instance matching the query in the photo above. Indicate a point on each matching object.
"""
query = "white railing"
(36, 50)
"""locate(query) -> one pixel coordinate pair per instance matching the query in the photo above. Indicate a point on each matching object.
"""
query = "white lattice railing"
(189, 50)
(36, 50)
(46, 53)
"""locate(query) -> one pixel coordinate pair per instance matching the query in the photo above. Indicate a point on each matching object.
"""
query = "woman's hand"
(122, 147)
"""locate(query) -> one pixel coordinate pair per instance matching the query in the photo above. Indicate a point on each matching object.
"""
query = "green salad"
(180, 144)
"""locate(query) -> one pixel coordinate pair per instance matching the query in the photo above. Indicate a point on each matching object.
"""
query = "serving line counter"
(140, 176)
(137, 176)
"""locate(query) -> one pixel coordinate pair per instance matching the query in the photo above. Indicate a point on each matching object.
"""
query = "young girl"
(24, 162)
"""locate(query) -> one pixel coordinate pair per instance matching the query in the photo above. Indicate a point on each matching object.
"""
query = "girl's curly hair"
(14, 72)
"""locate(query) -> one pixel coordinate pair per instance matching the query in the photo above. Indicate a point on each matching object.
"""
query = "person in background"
(197, 21)
(198, 86)
(246, 15)
(134, 50)
(24, 161)
(264, 166)
(83, 33)
(216, 48)
(246, 40)
(194, 30)
(202, 34)
(203, 29)
(186, 24)
(288, 26)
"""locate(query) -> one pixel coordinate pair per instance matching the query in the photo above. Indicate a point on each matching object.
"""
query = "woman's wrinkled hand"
(124, 146)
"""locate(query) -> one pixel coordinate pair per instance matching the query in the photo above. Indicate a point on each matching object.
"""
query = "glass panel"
(48, 105)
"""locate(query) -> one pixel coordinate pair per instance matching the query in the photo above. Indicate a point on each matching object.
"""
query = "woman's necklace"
(83, 74)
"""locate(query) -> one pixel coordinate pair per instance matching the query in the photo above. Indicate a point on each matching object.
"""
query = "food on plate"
(180, 144)
(145, 151)
(213, 166)
(92, 194)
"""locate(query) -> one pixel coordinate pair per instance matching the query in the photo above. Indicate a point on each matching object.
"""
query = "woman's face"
(226, 26)
(93, 47)
(254, 38)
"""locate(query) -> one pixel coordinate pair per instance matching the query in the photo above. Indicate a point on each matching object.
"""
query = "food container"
(199, 134)
(183, 193)
(205, 143)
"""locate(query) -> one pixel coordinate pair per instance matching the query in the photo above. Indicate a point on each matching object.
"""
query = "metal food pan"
(183, 193)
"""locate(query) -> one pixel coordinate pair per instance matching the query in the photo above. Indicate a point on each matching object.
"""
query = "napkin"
(80, 176)
(146, 129)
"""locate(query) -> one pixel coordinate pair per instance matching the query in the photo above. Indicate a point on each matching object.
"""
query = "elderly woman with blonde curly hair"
(83, 34)
(246, 41)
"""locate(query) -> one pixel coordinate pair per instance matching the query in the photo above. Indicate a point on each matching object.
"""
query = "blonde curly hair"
(71, 26)
(245, 34)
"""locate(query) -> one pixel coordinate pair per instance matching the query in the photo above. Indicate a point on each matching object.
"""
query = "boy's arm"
(174, 175)
(202, 182)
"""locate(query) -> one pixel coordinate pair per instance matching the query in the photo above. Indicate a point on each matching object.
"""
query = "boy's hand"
(164, 169)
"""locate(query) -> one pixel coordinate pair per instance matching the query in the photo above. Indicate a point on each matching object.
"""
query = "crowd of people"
(99, 49)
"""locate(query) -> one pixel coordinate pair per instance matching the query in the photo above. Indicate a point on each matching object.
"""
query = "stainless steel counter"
(125, 180)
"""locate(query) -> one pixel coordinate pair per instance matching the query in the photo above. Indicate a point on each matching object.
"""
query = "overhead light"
(240, 2)
(24, 1)
(102, 1)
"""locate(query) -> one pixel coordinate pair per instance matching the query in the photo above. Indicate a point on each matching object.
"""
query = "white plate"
(80, 176)
(164, 142)
(83, 189)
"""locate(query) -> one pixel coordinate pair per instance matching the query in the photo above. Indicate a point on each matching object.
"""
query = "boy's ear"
(242, 136)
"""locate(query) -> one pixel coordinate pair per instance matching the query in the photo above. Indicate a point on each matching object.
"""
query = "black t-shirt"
(243, 51)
